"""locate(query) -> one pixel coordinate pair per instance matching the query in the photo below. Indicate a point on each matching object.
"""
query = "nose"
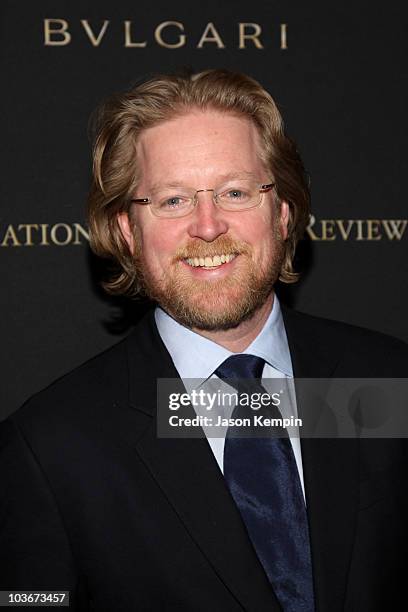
(207, 220)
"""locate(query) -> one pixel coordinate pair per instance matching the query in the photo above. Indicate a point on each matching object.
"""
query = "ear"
(284, 218)
(126, 230)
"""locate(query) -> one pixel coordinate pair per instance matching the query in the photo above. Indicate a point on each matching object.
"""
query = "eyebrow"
(221, 179)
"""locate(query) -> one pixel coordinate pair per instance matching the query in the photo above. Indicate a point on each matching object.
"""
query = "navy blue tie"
(263, 479)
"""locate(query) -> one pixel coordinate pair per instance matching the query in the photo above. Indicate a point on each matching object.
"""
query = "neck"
(239, 338)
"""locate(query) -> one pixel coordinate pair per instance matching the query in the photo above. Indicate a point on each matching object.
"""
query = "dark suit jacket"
(93, 502)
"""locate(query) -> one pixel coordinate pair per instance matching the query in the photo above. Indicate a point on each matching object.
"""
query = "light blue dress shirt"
(196, 357)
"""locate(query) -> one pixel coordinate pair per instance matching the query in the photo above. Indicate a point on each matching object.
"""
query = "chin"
(216, 311)
(213, 305)
(217, 322)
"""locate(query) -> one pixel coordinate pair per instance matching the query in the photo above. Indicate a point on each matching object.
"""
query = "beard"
(212, 304)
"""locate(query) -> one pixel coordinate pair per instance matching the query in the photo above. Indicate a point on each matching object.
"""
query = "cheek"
(158, 246)
(265, 243)
(260, 234)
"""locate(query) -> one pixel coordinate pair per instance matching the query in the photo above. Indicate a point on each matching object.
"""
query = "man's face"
(203, 150)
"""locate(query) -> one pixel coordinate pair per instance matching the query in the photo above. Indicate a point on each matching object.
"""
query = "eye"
(173, 202)
(234, 195)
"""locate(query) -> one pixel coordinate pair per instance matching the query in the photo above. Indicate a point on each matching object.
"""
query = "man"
(199, 198)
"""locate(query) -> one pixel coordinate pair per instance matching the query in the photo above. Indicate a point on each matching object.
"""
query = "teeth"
(210, 262)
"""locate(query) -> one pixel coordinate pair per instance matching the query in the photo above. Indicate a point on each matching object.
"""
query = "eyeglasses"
(237, 196)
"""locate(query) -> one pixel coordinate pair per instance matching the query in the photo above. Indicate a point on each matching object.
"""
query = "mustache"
(201, 248)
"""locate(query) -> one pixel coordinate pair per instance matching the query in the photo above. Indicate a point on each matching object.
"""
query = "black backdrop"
(338, 73)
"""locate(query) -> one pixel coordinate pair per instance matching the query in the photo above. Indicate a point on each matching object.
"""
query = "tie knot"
(241, 366)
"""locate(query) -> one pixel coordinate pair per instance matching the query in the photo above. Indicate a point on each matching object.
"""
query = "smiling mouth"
(210, 262)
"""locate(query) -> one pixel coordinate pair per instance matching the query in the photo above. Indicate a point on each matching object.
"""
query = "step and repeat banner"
(338, 74)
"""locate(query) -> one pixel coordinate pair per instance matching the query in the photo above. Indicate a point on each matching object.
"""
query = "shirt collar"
(197, 357)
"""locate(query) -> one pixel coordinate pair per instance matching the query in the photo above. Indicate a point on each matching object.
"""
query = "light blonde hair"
(117, 125)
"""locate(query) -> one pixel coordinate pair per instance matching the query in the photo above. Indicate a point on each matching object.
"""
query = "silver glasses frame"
(262, 189)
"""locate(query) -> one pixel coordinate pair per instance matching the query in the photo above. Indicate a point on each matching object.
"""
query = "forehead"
(199, 145)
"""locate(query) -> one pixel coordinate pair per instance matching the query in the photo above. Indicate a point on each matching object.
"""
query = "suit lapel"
(330, 471)
(189, 476)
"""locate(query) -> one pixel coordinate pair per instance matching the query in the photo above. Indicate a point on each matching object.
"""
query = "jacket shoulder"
(339, 329)
(366, 352)
(99, 382)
